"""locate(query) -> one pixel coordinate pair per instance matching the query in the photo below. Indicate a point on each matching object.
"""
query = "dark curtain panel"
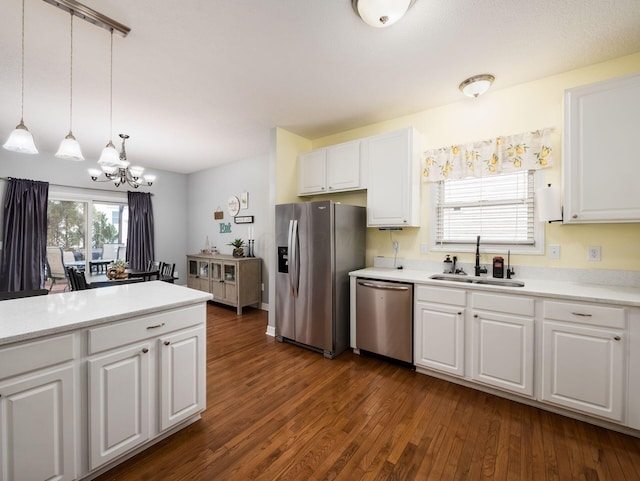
(140, 245)
(24, 236)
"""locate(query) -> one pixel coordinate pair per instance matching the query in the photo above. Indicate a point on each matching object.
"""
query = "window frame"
(537, 248)
(75, 194)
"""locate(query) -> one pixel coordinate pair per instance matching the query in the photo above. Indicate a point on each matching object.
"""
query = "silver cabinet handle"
(581, 314)
(166, 343)
(145, 350)
(383, 286)
(616, 338)
(156, 326)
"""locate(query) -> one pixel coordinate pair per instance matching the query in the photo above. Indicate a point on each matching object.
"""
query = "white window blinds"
(499, 208)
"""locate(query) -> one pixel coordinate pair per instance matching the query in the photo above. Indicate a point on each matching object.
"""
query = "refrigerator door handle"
(294, 263)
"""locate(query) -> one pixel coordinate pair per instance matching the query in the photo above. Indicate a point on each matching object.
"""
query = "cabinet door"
(343, 166)
(37, 426)
(583, 369)
(439, 338)
(393, 190)
(182, 376)
(503, 351)
(600, 162)
(312, 172)
(118, 403)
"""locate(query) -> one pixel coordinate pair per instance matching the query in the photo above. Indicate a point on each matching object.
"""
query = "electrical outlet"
(424, 248)
(395, 246)
(593, 253)
(554, 252)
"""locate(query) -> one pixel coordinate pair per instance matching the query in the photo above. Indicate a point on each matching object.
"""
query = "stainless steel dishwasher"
(384, 318)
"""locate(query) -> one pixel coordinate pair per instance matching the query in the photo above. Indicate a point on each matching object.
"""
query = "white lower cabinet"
(439, 329)
(182, 376)
(579, 356)
(145, 376)
(37, 426)
(119, 394)
(37, 410)
(503, 342)
(584, 363)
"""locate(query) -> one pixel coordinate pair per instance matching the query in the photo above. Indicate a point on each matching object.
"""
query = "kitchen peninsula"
(88, 378)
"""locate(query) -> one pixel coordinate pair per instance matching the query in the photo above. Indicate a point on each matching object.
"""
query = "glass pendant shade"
(381, 13)
(476, 86)
(109, 155)
(21, 140)
(69, 149)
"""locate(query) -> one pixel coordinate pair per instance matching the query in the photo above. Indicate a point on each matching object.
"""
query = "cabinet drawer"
(30, 356)
(522, 306)
(456, 297)
(585, 314)
(126, 332)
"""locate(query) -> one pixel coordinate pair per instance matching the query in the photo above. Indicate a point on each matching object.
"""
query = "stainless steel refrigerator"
(318, 244)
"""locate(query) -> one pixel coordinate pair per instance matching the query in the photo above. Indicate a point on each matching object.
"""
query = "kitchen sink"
(477, 280)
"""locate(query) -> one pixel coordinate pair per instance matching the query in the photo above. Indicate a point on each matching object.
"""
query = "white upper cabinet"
(600, 153)
(393, 195)
(331, 169)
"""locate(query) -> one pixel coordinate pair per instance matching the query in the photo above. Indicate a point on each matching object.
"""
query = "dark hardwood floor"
(279, 412)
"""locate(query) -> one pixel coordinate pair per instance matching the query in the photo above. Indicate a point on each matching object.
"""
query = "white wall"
(169, 196)
(209, 190)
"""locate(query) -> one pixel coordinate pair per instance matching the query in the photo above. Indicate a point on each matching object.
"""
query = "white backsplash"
(584, 276)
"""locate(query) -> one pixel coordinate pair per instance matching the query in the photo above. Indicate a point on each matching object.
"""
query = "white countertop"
(33, 317)
(609, 294)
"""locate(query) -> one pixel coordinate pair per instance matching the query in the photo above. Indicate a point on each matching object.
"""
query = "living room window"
(498, 208)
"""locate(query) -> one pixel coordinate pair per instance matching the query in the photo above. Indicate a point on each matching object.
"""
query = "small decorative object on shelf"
(116, 270)
(238, 247)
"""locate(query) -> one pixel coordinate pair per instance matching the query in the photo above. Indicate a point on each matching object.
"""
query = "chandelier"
(120, 172)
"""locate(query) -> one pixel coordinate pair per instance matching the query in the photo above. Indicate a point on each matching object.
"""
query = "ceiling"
(199, 83)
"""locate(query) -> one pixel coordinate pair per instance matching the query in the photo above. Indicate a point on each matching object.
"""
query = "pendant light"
(109, 155)
(381, 13)
(69, 147)
(21, 139)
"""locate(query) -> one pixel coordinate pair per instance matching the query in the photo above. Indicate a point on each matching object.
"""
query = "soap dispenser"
(448, 265)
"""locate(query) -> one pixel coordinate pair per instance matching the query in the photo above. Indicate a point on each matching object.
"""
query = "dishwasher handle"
(386, 287)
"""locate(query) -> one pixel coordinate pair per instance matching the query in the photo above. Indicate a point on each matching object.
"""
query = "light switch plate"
(554, 252)
(593, 253)
(424, 248)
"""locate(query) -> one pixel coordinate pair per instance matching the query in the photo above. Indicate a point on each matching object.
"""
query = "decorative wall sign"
(245, 219)
(233, 206)
(225, 228)
(218, 214)
(244, 200)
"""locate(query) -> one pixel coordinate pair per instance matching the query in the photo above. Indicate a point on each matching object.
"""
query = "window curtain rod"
(74, 186)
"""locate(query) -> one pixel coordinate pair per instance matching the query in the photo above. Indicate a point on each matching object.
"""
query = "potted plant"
(238, 245)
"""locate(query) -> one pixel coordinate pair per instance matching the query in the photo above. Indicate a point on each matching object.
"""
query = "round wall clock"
(233, 206)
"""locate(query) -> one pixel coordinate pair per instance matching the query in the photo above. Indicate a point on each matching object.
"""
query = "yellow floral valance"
(527, 151)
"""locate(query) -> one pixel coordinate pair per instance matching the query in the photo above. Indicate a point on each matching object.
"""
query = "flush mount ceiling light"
(381, 13)
(21, 139)
(476, 85)
(69, 147)
(119, 171)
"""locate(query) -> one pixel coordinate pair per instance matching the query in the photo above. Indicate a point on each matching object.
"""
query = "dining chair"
(55, 263)
(77, 279)
(167, 271)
